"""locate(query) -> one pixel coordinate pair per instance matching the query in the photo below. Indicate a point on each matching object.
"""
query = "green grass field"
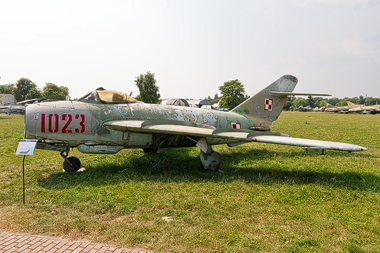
(268, 198)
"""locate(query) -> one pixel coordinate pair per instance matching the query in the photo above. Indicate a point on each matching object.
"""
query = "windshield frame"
(107, 97)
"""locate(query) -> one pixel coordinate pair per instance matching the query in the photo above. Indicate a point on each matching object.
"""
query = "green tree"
(214, 101)
(333, 101)
(343, 102)
(322, 102)
(288, 105)
(310, 101)
(232, 94)
(298, 102)
(33, 93)
(148, 88)
(317, 101)
(371, 101)
(216, 96)
(361, 100)
(7, 88)
(23, 86)
(52, 91)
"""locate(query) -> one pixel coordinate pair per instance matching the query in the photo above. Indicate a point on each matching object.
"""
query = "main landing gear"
(210, 160)
(70, 164)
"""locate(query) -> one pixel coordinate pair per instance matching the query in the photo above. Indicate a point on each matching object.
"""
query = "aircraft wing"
(309, 144)
(177, 128)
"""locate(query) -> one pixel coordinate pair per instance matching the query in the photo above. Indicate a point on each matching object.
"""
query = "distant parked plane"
(18, 108)
(333, 108)
(373, 109)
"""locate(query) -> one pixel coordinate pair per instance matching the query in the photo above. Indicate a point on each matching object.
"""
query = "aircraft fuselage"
(65, 124)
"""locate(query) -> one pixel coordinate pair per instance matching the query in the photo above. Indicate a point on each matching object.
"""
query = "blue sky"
(193, 47)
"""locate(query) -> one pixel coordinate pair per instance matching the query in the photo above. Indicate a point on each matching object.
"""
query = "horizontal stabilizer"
(284, 94)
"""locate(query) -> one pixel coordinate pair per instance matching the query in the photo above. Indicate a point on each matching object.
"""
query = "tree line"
(233, 93)
(294, 103)
(25, 89)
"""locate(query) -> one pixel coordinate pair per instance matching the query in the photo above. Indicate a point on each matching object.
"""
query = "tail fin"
(351, 105)
(266, 106)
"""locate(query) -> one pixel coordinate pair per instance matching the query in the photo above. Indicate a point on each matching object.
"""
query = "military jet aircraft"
(365, 109)
(19, 108)
(332, 108)
(305, 109)
(12, 109)
(105, 122)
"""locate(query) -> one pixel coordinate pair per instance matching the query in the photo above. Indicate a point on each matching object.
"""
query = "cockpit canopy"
(107, 97)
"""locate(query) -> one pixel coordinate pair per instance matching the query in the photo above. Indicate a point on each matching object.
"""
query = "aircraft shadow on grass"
(175, 166)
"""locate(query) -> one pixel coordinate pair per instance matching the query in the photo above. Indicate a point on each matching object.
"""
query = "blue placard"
(26, 147)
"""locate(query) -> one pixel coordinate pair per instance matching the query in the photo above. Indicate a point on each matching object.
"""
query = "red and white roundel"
(236, 125)
(268, 104)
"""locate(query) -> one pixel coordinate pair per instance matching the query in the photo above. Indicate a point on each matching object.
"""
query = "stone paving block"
(36, 250)
(11, 250)
(21, 243)
(88, 248)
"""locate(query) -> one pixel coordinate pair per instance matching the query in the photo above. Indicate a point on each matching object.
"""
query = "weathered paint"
(45, 115)
(95, 127)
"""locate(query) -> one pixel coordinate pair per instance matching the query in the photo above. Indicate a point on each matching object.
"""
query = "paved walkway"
(10, 242)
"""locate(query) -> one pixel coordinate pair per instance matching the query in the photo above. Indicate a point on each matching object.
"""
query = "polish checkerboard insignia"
(236, 125)
(268, 104)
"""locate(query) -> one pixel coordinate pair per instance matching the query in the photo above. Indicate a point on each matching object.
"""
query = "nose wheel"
(70, 164)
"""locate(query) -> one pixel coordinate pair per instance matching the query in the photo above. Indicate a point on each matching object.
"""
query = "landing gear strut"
(71, 164)
(210, 160)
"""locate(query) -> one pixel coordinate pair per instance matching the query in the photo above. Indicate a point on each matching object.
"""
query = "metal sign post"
(25, 147)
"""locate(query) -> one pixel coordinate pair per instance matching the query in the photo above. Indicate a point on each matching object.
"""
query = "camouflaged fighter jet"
(105, 122)
(365, 109)
(333, 108)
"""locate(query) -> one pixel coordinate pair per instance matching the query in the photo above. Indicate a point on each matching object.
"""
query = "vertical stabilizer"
(351, 105)
(265, 107)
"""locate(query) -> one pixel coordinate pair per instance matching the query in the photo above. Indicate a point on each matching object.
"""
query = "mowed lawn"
(268, 198)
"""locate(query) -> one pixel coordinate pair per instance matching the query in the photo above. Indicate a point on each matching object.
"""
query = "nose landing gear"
(70, 164)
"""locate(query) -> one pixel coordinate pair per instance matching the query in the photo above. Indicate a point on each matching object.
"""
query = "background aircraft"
(373, 109)
(305, 109)
(12, 109)
(19, 108)
(105, 122)
(333, 108)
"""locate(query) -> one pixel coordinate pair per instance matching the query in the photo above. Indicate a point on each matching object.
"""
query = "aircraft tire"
(75, 164)
(212, 170)
(150, 150)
